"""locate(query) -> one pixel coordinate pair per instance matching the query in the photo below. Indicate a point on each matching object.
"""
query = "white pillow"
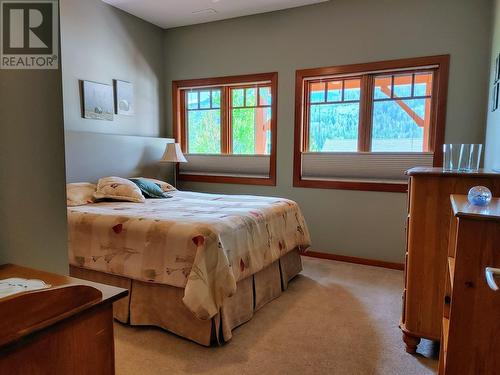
(80, 193)
(164, 186)
(119, 189)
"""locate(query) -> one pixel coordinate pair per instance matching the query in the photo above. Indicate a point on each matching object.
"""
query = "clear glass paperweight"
(479, 196)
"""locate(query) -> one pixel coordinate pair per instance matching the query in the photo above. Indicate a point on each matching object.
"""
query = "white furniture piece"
(90, 156)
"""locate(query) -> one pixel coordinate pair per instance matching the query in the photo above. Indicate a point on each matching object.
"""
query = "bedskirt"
(151, 304)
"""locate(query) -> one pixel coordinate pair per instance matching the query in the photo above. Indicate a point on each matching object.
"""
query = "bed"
(195, 264)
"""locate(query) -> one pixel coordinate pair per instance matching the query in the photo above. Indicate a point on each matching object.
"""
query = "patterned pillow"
(165, 186)
(80, 193)
(119, 189)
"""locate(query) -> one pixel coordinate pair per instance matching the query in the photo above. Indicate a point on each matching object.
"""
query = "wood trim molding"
(226, 80)
(266, 181)
(415, 62)
(356, 260)
(179, 131)
(365, 115)
(352, 185)
(440, 90)
(299, 135)
(441, 97)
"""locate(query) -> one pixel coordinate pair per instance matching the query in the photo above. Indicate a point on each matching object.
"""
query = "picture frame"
(97, 100)
(497, 69)
(124, 97)
(495, 96)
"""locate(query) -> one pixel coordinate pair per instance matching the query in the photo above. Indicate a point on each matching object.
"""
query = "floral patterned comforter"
(204, 243)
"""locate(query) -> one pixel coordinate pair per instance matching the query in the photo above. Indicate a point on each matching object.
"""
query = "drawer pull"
(491, 273)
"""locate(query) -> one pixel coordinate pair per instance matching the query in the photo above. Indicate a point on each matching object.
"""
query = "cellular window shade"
(369, 166)
(227, 165)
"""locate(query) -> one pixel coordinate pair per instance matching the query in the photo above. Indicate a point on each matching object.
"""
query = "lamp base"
(175, 175)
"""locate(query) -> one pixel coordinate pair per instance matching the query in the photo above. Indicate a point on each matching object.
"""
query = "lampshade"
(173, 154)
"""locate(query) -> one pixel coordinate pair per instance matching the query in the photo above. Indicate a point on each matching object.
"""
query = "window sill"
(228, 179)
(229, 155)
(372, 153)
(392, 187)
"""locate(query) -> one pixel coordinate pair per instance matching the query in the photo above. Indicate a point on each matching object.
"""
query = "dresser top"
(109, 293)
(462, 208)
(29, 312)
(438, 171)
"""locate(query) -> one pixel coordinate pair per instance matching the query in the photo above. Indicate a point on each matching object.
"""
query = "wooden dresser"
(428, 222)
(66, 329)
(470, 342)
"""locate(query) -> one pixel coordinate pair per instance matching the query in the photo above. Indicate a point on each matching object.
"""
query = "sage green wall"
(361, 224)
(32, 181)
(492, 157)
(101, 43)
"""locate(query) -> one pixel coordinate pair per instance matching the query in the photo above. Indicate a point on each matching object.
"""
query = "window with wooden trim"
(360, 126)
(203, 121)
(227, 128)
(333, 112)
(401, 115)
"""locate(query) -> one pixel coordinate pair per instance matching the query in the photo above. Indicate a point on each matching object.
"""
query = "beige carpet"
(335, 318)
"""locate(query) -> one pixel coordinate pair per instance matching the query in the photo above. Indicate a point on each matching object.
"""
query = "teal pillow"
(149, 189)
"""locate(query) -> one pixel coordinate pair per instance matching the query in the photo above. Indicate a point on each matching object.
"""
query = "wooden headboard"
(90, 156)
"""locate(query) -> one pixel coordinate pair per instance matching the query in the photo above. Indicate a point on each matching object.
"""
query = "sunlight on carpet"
(335, 318)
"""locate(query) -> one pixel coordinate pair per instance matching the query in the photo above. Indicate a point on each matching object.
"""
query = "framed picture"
(496, 76)
(124, 98)
(497, 69)
(97, 101)
(495, 96)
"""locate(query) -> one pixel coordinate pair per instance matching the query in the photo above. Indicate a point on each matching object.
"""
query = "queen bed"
(195, 264)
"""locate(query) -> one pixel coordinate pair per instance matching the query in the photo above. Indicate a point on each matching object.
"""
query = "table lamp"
(173, 154)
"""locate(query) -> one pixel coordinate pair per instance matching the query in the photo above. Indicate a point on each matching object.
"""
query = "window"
(227, 128)
(360, 126)
(251, 115)
(203, 118)
(401, 112)
(334, 108)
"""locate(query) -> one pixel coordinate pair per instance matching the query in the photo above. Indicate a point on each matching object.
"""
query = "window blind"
(378, 166)
(227, 165)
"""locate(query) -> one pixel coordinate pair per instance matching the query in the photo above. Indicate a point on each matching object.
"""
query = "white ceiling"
(174, 13)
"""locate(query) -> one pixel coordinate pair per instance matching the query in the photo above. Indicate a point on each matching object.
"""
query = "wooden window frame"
(231, 107)
(308, 103)
(440, 66)
(180, 129)
(220, 108)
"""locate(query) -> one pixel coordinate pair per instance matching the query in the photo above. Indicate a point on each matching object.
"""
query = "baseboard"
(344, 258)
